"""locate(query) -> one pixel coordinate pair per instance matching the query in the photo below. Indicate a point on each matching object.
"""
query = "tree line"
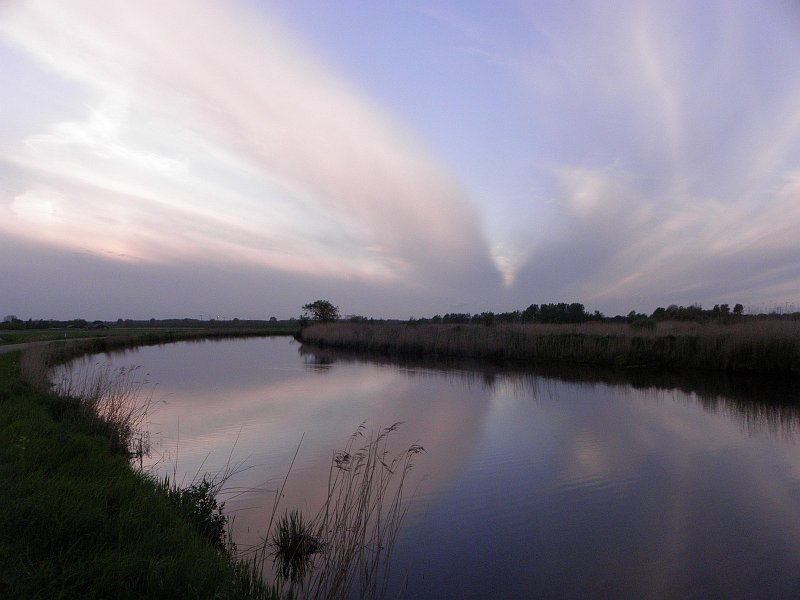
(558, 313)
(325, 311)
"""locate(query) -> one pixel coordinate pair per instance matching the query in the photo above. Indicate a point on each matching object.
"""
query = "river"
(567, 484)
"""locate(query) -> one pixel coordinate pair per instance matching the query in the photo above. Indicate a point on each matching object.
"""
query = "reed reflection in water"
(567, 483)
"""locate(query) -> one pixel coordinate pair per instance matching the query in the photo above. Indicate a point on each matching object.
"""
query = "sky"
(179, 158)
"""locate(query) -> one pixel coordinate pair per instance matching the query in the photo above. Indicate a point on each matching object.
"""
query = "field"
(165, 333)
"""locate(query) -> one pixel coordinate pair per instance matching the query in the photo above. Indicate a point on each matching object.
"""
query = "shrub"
(198, 504)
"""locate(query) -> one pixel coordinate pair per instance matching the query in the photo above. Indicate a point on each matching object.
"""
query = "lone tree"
(320, 310)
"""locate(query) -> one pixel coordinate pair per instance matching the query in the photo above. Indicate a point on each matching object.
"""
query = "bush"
(198, 504)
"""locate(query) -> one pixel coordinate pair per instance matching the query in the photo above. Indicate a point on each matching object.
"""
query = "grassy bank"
(751, 346)
(134, 336)
(79, 522)
(62, 351)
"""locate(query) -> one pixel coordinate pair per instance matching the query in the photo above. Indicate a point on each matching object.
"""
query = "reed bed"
(118, 398)
(345, 550)
(764, 346)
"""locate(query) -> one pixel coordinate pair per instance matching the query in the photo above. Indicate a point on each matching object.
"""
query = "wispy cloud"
(624, 158)
(212, 135)
(677, 179)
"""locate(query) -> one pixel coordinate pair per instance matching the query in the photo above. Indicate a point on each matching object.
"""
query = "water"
(567, 485)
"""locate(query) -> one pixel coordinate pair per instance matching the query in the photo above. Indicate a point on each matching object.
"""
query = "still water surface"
(573, 485)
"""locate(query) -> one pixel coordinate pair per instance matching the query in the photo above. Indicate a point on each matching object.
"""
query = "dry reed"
(345, 550)
(114, 399)
(753, 345)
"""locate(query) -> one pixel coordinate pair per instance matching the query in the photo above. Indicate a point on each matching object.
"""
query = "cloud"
(211, 135)
(675, 178)
(616, 249)
(626, 159)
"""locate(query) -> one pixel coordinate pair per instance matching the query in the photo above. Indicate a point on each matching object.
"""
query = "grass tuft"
(117, 397)
(294, 545)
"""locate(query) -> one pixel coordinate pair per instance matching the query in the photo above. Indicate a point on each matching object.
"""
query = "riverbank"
(79, 520)
(753, 346)
(135, 335)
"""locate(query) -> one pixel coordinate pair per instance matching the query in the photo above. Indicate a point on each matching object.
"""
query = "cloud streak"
(626, 159)
(678, 178)
(210, 135)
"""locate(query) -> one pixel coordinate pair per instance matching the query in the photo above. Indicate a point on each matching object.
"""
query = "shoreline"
(81, 519)
(761, 347)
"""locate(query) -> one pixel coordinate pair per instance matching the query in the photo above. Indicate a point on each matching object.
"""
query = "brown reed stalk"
(116, 397)
(345, 550)
(751, 346)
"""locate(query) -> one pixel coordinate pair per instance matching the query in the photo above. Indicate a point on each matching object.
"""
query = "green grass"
(77, 521)
(137, 335)
(294, 545)
(80, 521)
(753, 346)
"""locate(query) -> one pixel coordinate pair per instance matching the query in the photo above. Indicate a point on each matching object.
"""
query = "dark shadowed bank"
(80, 522)
(755, 346)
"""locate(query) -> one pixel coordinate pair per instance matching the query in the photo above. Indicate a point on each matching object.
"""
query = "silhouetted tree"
(456, 318)
(531, 313)
(320, 310)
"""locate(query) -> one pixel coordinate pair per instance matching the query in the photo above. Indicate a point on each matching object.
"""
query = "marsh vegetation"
(345, 550)
(767, 346)
(346, 544)
(577, 482)
(103, 492)
(79, 521)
